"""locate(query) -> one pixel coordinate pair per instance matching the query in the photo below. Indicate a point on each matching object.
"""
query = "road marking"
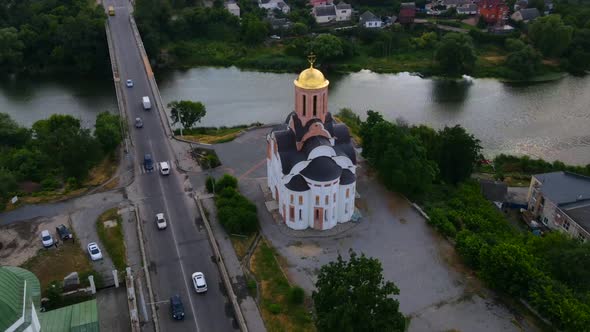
(170, 223)
(252, 169)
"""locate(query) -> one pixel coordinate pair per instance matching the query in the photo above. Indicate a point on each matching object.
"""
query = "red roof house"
(407, 12)
(315, 3)
(493, 11)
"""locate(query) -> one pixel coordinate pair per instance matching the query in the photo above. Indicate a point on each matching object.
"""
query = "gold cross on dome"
(311, 58)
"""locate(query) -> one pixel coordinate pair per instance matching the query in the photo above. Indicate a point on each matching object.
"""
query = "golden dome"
(311, 78)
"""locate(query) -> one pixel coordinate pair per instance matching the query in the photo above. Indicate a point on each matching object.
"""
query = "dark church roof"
(347, 177)
(322, 169)
(313, 142)
(297, 183)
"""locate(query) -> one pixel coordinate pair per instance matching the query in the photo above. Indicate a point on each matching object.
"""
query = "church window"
(326, 215)
(304, 105)
(347, 192)
(300, 200)
(317, 200)
(346, 208)
(327, 199)
(291, 198)
(317, 214)
(315, 105)
(299, 214)
(334, 197)
(291, 212)
(333, 212)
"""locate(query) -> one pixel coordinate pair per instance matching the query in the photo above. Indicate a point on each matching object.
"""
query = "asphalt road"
(183, 248)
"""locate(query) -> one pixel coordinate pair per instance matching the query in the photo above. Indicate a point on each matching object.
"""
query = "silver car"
(138, 123)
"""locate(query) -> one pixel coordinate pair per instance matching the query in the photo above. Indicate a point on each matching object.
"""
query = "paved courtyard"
(435, 289)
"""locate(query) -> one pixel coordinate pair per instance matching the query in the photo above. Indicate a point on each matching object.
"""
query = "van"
(111, 11)
(146, 102)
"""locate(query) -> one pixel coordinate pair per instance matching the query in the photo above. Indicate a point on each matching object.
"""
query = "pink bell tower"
(311, 94)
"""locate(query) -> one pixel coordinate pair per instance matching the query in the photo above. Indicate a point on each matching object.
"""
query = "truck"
(146, 102)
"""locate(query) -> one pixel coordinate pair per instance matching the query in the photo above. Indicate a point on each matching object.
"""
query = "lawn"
(241, 244)
(54, 264)
(278, 313)
(112, 238)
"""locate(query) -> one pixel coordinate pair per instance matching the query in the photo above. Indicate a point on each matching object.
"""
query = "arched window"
(304, 105)
(315, 105)
(299, 214)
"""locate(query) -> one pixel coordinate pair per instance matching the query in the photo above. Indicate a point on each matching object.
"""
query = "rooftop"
(368, 17)
(328, 10)
(564, 187)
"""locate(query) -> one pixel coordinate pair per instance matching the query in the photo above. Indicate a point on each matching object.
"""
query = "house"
(315, 3)
(233, 8)
(493, 11)
(274, 4)
(279, 23)
(407, 12)
(494, 191)
(454, 3)
(324, 14)
(470, 9)
(310, 160)
(521, 4)
(561, 201)
(525, 15)
(501, 29)
(548, 6)
(370, 21)
(343, 12)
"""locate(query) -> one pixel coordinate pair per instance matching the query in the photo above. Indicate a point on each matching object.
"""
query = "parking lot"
(436, 291)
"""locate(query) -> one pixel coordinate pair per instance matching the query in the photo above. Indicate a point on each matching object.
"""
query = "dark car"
(176, 308)
(63, 232)
(148, 162)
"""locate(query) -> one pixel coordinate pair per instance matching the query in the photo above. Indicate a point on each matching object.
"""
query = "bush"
(235, 212)
(50, 184)
(210, 184)
(296, 295)
(226, 181)
(72, 183)
(274, 308)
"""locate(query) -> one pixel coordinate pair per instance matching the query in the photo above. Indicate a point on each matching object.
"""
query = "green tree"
(187, 112)
(525, 62)
(299, 29)
(7, 186)
(108, 131)
(458, 153)
(326, 47)
(353, 296)
(254, 30)
(550, 35)
(11, 134)
(10, 48)
(455, 54)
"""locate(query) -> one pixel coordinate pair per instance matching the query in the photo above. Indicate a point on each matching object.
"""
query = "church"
(310, 160)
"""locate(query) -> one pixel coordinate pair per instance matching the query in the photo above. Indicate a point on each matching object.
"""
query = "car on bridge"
(129, 83)
(148, 162)
(176, 307)
(199, 282)
(161, 221)
(138, 123)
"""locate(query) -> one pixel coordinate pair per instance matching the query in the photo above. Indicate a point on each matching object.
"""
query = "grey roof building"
(525, 15)
(369, 20)
(325, 10)
(494, 191)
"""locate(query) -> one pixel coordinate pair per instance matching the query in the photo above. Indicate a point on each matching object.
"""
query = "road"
(183, 248)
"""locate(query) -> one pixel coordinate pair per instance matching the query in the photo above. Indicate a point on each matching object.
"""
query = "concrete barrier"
(222, 269)
(132, 302)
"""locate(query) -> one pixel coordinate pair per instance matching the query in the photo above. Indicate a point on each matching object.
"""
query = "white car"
(161, 221)
(94, 251)
(164, 168)
(46, 238)
(129, 83)
(199, 282)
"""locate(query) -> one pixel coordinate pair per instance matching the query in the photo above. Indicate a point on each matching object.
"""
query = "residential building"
(525, 15)
(521, 4)
(407, 13)
(343, 12)
(233, 8)
(370, 21)
(311, 162)
(315, 3)
(493, 11)
(561, 201)
(454, 3)
(469, 9)
(324, 14)
(494, 191)
(279, 23)
(274, 4)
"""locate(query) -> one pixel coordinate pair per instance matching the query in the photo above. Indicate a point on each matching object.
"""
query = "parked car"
(176, 307)
(94, 251)
(199, 282)
(46, 239)
(138, 123)
(63, 232)
(161, 221)
(129, 83)
(148, 162)
(164, 168)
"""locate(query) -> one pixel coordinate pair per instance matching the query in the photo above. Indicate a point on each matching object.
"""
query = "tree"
(10, 48)
(525, 62)
(458, 153)
(254, 30)
(550, 35)
(187, 112)
(325, 47)
(353, 296)
(455, 54)
(11, 134)
(7, 185)
(299, 29)
(108, 131)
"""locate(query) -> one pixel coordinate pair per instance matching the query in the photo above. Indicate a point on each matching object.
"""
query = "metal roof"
(564, 187)
(80, 317)
(11, 298)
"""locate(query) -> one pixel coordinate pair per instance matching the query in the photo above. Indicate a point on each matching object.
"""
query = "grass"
(352, 121)
(278, 313)
(241, 244)
(56, 263)
(112, 238)
(214, 135)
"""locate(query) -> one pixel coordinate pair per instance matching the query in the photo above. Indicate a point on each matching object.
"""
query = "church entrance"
(318, 218)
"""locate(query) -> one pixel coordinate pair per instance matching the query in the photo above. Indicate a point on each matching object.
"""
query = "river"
(549, 120)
